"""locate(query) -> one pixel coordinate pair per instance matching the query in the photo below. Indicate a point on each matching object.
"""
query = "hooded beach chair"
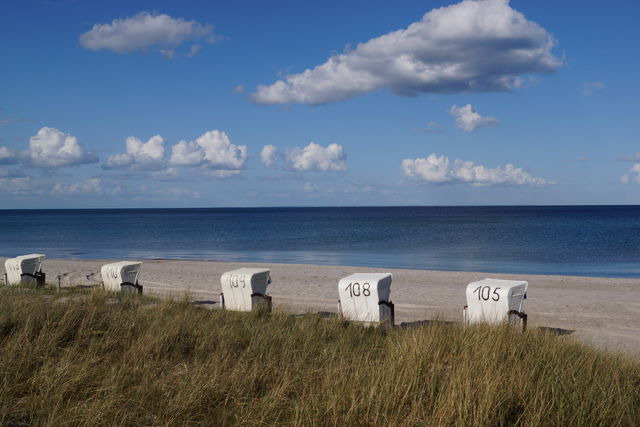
(496, 301)
(245, 289)
(25, 269)
(364, 297)
(122, 276)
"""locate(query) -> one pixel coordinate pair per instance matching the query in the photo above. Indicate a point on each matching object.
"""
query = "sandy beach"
(604, 312)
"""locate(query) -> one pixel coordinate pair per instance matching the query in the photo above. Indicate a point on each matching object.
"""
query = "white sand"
(603, 312)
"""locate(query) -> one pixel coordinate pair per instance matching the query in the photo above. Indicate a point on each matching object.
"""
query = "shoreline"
(600, 311)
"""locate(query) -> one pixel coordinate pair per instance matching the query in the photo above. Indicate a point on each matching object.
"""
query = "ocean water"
(571, 240)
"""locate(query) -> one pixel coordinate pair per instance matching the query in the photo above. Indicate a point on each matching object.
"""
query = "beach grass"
(88, 357)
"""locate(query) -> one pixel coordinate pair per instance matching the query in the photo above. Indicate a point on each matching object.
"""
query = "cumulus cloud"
(471, 46)
(53, 148)
(315, 157)
(439, 170)
(633, 176)
(468, 119)
(212, 150)
(145, 30)
(589, 88)
(269, 155)
(88, 186)
(9, 156)
(139, 155)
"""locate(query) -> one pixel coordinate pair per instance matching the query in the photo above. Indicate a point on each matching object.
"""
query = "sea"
(601, 241)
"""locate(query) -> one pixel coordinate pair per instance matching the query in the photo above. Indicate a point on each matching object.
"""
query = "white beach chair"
(25, 269)
(245, 289)
(496, 301)
(364, 297)
(122, 276)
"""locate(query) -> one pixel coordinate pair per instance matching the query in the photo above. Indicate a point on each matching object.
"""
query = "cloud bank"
(472, 46)
(439, 170)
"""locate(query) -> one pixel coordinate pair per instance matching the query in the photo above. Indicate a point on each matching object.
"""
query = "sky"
(288, 103)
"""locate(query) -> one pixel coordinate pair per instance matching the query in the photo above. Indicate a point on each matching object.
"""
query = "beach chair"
(496, 301)
(25, 269)
(122, 276)
(364, 297)
(245, 289)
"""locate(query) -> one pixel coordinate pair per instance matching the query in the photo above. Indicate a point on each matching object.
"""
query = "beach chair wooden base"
(131, 288)
(258, 302)
(514, 317)
(40, 277)
(387, 313)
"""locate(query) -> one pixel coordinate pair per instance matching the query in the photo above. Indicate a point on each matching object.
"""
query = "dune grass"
(89, 357)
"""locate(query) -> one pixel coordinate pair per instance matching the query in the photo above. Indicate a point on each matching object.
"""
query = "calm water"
(586, 240)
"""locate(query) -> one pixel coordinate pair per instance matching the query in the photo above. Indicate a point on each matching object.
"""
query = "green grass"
(88, 357)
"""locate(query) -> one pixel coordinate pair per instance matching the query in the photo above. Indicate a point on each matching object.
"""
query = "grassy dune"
(88, 357)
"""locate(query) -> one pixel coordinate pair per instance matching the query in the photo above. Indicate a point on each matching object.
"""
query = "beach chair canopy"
(24, 268)
(490, 300)
(244, 288)
(365, 297)
(116, 274)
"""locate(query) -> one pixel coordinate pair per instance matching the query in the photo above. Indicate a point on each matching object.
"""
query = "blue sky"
(151, 104)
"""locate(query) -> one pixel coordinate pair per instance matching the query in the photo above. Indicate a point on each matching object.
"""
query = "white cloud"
(589, 88)
(432, 127)
(19, 185)
(310, 187)
(315, 157)
(269, 155)
(633, 177)
(11, 173)
(212, 150)
(145, 30)
(472, 46)
(53, 148)
(632, 158)
(86, 187)
(9, 156)
(468, 119)
(177, 193)
(223, 174)
(168, 174)
(439, 170)
(139, 155)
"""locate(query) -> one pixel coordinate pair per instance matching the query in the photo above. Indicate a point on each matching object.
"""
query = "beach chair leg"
(339, 308)
(222, 300)
(523, 317)
(389, 321)
(464, 316)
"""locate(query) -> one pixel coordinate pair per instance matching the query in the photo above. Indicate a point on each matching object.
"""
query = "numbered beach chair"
(364, 297)
(25, 269)
(122, 276)
(496, 301)
(245, 289)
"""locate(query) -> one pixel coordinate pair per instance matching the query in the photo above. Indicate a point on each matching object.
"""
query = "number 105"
(484, 293)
